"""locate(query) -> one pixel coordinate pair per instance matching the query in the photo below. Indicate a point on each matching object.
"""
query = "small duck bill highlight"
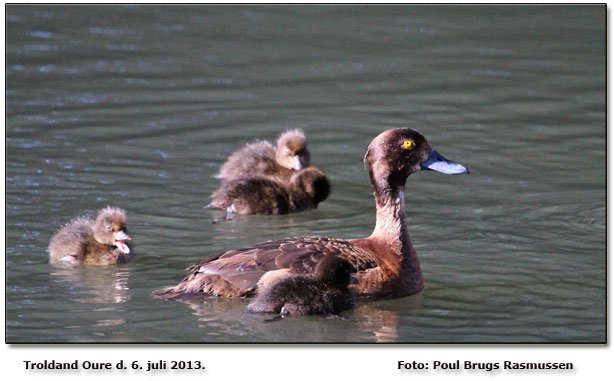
(119, 242)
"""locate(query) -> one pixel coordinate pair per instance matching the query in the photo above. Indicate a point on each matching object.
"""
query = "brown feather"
(241, 269)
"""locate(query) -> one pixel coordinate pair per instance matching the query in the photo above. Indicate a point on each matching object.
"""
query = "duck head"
(335, 271)
(313, 182)
(395, 154)
(292, 150)
(110, 228)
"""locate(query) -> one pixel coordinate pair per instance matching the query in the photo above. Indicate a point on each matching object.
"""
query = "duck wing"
(300, 254)
(236, 272)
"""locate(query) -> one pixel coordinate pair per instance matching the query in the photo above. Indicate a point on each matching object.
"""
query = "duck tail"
(167, 293)
(199, 285)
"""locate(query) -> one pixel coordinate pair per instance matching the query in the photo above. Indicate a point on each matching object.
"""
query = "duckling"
(98, 241)
(324, 292)
(252, 195)
(261, 158)
(386, 264)
(308, 188)
(269, 195)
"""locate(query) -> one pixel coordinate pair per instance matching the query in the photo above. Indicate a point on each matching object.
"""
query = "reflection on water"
(222, 320)
(138, 106)
(95, 284)
(381, 322)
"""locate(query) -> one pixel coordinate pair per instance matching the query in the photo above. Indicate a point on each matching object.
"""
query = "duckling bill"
(98, 241)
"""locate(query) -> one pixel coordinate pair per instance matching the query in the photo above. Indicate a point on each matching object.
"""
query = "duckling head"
(292, 151)
(313, 182)
(335, 271)
(110, 228)
(395, 154)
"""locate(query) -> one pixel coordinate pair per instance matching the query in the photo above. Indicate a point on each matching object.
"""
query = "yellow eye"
(407, 143)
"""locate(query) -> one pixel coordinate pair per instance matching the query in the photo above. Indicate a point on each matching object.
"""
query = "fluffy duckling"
(308, 188)
(261, 158)
(98, 241)
(269, 195)
(324, 292)
(252, 195)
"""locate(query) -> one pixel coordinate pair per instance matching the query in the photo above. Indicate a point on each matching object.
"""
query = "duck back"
(253, 159)
(70, 242)
(252, 195)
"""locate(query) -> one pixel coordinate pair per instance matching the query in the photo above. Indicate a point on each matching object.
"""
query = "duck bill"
(297, 164)
(119, 241)
(437, 162)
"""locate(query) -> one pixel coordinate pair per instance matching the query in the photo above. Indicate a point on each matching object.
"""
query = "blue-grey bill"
(436, 162)
(296, 163)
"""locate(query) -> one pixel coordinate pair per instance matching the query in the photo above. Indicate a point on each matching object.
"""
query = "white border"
(295, 362)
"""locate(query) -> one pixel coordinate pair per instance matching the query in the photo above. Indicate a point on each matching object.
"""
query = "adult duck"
(385, 264)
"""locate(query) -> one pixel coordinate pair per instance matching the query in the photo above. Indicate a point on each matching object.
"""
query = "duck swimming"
(324, 292)
(308, 188)
(385, 263)
(98, 241)
(261, 158)
(269, 195)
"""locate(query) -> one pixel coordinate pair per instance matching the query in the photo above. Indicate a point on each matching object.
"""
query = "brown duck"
(270, 195)
(324, 292)
(385, 263)
(261, 158)
(98, 241)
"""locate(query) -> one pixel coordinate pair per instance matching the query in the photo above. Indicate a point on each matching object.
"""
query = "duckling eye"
(108, 227)
(408, 143)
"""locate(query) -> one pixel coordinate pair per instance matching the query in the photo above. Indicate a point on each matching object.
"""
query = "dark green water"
(138, 106)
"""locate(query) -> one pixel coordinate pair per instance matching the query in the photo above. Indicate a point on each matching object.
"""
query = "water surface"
(138, 106)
